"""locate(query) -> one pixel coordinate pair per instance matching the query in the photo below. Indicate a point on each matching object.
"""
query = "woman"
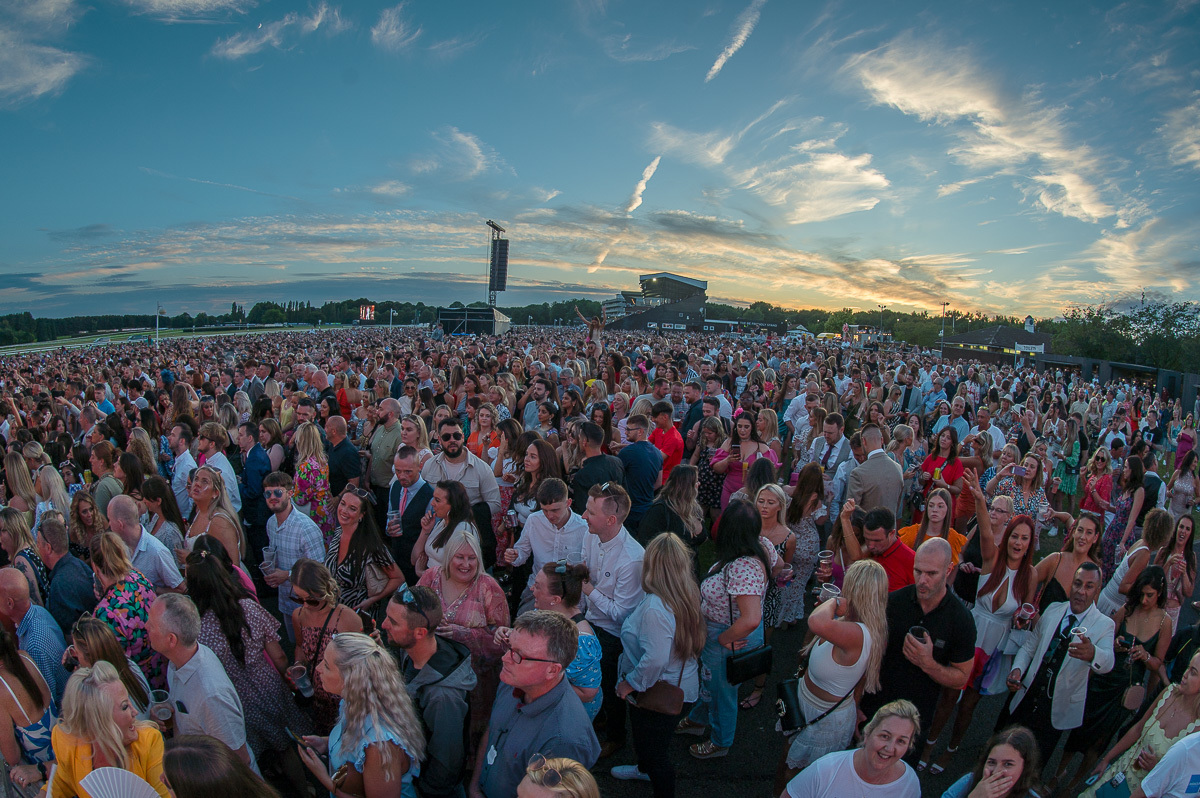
(736, 454)
(850, 636)
(731, 601)
(86, 523)
(144, 449)
(676, 509)
(1158, 533)
(942, 470)
(1098, 482)
(914, 455)
(312, 477)
(449, 511)
(473, 608)
(1008, 768)
(199, 766)
(1066, 472)
(26, 713)
(802, 512)
(166, 522)
(1184, 485)
(214, 515)
(358, 556)
(1175, 715)
(661, 640)
(768, 432)
(1140, 647)
(22, 496)
(935, 523)
(270, 437)
(413, 433)
(540, 463)
(876, 770)
(802, 442)
(125, 601)
(878, 416)
(245, 637)
(557, 778)
(378, 738)
(52, 494)
(129, 472)
(1024, 485)
(1178, 559)
(548, 418)
(484, 439)
(1186, 441)
(92, 641)
(1125, 508)
(99, 728)
(712, 437)
(1056, 571)
(778, 609)
(17, 543)
(319, 617)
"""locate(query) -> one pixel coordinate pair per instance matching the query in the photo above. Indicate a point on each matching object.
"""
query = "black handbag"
(742, 666)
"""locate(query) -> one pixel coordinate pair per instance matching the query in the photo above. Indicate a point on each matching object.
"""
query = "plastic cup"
(1077, 633)
(829, 590)
(919, 632)
(268, 560)
(299, 677)
(1026, 612)
(162, 711)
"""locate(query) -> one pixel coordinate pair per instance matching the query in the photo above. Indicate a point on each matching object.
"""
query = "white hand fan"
(116, 783)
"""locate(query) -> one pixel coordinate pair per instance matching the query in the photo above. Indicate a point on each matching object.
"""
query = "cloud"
(449, 49)
(705, 149)
(280, 34)
(1160, 253)
(88, 232)
(461, 155)
(182, 10)
(197, 180)
(29, 70)
(1023, 136)
(392, 32)
(622, 48)
(1182, 133)
(742, 28)
(635, 200)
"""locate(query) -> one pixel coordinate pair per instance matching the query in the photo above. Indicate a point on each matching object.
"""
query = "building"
(1000, 344)
(666, 302)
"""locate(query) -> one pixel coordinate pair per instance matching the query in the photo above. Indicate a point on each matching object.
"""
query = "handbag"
(1134, 694)
(375, 577)
(787, 705)
(662, 697)
(1116, 787)
(742, 666)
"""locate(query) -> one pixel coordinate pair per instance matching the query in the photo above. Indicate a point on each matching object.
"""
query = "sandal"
(707, 750)
(751, 701)
(938, 767)
(689, 726)
(922, 764)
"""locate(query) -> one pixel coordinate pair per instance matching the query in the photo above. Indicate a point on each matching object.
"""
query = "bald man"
(383, 444)
(147, 553)
(345, 466)
(37, 632)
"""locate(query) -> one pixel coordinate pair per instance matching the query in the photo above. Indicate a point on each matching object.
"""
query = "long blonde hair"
(865, 589)
(13, 522)
(110, 557)
(374, 693)
(139, 444)
(667, 572)
(16, 472)
(88, 712)
(680, 495)
(308, 443)
(54, 489)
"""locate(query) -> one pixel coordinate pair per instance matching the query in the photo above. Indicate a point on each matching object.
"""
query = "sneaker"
(707, 750)
(629, 773)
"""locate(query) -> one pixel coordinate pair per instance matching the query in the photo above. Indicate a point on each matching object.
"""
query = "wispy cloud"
(393, 32)
(706, 149)
(214, 183)
(183, 10)
(29, 70)
(449, 49)
(623, 48)
(281, 34)
(742, 28)
(1182, 133)
(460, 155)
(635, 200)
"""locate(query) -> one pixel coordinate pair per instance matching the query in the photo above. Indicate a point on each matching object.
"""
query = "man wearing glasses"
(541, 714)
(457, 464)
(293, 536)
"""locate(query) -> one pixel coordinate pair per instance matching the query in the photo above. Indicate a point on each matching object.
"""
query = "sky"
(1003, 157)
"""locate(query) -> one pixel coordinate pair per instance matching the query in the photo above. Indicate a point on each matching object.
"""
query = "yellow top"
(908, 535)
(74, 761)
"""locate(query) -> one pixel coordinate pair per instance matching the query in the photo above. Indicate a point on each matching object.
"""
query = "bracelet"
(41, 766)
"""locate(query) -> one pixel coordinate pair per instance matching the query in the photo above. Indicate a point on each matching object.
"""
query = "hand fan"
(116, 783)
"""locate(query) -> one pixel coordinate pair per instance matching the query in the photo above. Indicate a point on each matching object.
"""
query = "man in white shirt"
(613, 589)
(211, 443)
(149, 556)
(984, 416)
(551, 534)
(180, 441)
(796, 417)
(712, 387)
(1177, 774)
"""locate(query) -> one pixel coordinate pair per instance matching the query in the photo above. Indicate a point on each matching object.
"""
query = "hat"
(1006, 398)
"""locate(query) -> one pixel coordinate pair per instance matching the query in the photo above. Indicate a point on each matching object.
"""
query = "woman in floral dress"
(312, 477)
(125, 601)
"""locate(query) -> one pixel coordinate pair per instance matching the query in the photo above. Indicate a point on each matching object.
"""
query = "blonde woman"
(125, 600)
(214, 515)
(768, 431)
(86, 522)
(99, 728)
(52, 494)
(19, 482)
(557, 778)
(414, 433)
(771, 503)
(662, 639)
(312, 476)
(377, 745)
(139, 444)
(676, 509)
(17, 542)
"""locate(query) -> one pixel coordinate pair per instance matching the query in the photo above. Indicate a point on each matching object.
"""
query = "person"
(202, 694)
(1178, 559)
(666, 438)
(1183, 488)
(878, 481)
(1053, 667)
(317, 618)
(731, 601)
(245, 638)
(312, 476)
(784, 602)
(1171, 718)
(879, 542)
(293, 536)
(643, 465)
(557, 777)
(876, 770)
(449, 512)
(738, 453)
(357, 556)
(71, 591)
(199, 766)
(345, 466)
(125, 600)
(93, 640)
(938, 650)
(676, 509)
(551, 534)
(1056, 570)
(942, 469)
(455, 464)
(1008, 768)
(473, 608)
(86, 522)
(166, 523)
(541, 714)
(1176, 773)
(438, 675)
(597, 468)
(180, 440)
(26, 714)
(147, 554)
(408, 501)
(935, 522)
(614, 588)
(101, 459)
(850, 635)
(215, 515)
(18, 544)
(1126, 506)
(1158, 533)
(36, 630)
(99, 728)
(211, 442)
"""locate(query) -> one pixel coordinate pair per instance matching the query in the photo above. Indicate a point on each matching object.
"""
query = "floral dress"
(584, 670)
(266, 700)
(125, 606)
(312, 488)
(1122, 505)
(804, 562)
(310, 648)
(773, 602)
(709, 495)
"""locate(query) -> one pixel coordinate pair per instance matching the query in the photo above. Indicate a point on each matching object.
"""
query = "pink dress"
(735, 478)
(312, 488)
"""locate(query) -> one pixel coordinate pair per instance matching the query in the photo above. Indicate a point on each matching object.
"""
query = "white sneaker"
(629, 773)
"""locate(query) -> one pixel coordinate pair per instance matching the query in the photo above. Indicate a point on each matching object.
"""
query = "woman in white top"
(1156, 533)
(850, 636)
(449, 511)
(877, 770)
(414, 434)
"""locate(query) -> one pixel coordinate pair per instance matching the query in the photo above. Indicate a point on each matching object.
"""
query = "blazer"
(877, 482)
(410, 527)
(1070, 687)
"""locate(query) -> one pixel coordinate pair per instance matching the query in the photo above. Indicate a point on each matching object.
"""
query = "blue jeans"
(718, 698)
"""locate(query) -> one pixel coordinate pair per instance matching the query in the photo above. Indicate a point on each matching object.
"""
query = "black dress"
(1104, 714)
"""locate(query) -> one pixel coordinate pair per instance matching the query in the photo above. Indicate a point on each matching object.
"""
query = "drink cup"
(829, 590)
(919, 632)
(299, 677)
(161, 711)
(1077, 633)
(1026, 612)
(268, 559)
(825, 557)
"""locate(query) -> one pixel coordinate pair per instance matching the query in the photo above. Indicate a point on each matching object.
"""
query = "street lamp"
(530, 323)
(943, 341)
(391, 315)
(882, 308)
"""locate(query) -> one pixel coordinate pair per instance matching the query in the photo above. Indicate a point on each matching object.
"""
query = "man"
(437, 673)
(71, 592)
(799, 409)
(541, 714)
(255, 467)
(408, 499)
(597, 467)
(345, 466)
(551, 534)
(384, 442)
(933, 395)
(211, 443)
(666, 438)
(180, 441)
(293, 535)
(613, 589)
(643, 465)
(1154, 489)
(660, 389)
(985, 427)
(204, 699)
(456, 463)
(910, 395)
(832, 448)
(690, 428)
(1050, 673)
(149, 556)
(837, 488)
(38, 634)
(712, 387)
(878, 481)
(679, 405)
(251, 383)
(918, 668)
(527, 406)
(1177, 774)
(955, 419)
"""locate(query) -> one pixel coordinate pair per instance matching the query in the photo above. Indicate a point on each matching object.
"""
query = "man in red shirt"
(881, 544)
(665, 437)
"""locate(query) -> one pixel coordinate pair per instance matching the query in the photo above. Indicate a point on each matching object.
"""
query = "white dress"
(1110, 599)
(992, 628)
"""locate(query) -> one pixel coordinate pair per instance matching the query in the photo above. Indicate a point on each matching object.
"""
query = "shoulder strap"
(325, 625)
(14, 698)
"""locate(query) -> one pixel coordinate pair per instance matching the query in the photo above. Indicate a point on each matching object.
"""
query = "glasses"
(406, 597)
(308, 602)
(518, 658)
(274, 493)
(452, 436)
(361, 493)
(551, 778)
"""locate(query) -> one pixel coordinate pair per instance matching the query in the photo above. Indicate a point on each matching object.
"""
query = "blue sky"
(1004, 157)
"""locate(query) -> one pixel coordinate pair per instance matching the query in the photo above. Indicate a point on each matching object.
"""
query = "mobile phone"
(297, 738)
(1090, 780)
(1019, 471)
(367, 621)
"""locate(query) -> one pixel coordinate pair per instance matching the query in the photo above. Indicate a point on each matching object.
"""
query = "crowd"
(402, 563)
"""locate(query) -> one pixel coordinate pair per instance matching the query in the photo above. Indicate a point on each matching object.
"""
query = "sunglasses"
(274, 493)
(361, 493)
(452, 436)
(308, 602)
(406, 598)
(551, 778)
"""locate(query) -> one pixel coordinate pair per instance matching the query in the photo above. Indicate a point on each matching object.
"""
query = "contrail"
(742, 30)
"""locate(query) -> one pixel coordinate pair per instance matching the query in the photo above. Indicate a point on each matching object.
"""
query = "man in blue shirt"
(37, 632)
(255, 466)
(643, 469)
(72, 592)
